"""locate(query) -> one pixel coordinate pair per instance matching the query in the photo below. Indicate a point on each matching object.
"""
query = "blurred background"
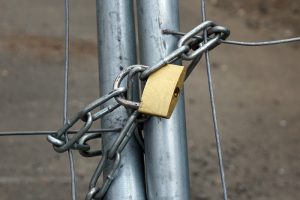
(257, 96)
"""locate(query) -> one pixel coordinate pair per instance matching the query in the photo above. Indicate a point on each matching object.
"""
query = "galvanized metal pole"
(116, 42)
(166, 159)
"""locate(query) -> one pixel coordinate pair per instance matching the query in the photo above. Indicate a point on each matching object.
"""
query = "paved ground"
(257, 92)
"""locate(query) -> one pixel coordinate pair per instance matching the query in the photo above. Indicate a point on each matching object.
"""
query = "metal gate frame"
(165, 175)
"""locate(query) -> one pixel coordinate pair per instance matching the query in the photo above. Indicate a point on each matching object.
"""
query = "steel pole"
(116, 43)
(166, 158)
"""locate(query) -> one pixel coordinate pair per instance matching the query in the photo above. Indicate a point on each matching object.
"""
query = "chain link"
(96, 192)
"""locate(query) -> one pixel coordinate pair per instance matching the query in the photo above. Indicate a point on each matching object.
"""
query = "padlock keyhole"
(176, 92)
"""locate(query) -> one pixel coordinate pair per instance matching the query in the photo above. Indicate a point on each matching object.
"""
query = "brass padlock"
(162, 90)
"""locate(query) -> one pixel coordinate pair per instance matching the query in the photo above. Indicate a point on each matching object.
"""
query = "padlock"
(162, 90)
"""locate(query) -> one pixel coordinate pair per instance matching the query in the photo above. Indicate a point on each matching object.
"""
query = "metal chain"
(88, 115)
(189, 48)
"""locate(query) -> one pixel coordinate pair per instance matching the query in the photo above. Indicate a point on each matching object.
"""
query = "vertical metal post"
(166, 159)
(116, 42)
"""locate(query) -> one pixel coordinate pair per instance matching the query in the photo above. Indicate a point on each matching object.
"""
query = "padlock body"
(162, 91)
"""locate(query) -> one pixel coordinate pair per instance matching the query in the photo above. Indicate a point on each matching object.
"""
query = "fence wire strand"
(43, 132)
(262, 43)
(66, 87)
(213, 107)
(240, 43)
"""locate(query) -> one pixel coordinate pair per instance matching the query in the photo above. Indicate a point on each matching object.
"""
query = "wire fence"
(191, 47)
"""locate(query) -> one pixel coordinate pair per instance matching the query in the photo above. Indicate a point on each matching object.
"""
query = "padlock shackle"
(172, 57)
